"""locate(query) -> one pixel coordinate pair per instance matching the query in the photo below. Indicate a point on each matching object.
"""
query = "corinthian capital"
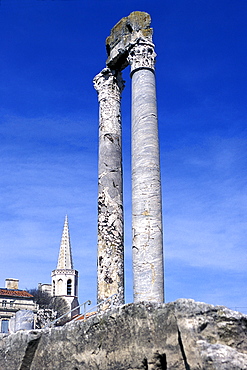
(142, 56)
(109, 84)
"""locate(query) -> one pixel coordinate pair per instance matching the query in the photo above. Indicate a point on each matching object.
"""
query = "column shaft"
(110, 194)
(148, 269)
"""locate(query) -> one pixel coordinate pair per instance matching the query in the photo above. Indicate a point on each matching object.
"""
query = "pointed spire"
(65, 255)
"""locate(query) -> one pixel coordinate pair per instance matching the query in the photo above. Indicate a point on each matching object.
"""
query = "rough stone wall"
(180, 335)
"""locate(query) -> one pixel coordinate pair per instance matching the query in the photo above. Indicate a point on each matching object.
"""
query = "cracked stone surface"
(110, 276)
(184, 335)
(124, 35)
(130, 43)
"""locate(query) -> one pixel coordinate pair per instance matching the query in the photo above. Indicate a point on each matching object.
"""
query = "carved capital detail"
(109, 84)
(142, 56)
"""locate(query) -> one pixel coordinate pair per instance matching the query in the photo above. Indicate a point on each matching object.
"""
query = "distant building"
(12, 300)
(65, 278)
(45, 288)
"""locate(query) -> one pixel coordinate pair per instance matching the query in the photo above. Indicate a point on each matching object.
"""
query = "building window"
(69, 287)
(11, 303)
(60, 286)
(53, 288)
(4, 303)
(5, 326)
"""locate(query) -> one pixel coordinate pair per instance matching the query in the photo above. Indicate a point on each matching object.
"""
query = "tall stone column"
(148, 269)
(109, 85)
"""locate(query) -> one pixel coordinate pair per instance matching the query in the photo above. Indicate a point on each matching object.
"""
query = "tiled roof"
(14, 293)
(81, 317)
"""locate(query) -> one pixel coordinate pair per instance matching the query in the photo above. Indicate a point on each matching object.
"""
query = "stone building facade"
(12, 300)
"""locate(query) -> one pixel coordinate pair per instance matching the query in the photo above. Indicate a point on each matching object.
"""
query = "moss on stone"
(136, 21)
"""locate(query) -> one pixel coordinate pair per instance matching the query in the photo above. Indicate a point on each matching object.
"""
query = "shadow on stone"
(29, 354)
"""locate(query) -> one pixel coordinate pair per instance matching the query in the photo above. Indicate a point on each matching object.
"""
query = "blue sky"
(50, 52)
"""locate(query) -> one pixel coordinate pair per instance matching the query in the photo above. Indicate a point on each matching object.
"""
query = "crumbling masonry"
(130, 43)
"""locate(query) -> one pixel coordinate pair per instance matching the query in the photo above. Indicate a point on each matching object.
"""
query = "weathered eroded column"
(130, 42)
(148, 270)
(109, 85)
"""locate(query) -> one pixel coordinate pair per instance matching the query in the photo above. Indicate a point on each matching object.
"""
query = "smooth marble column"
(148, 269)
(109, 85)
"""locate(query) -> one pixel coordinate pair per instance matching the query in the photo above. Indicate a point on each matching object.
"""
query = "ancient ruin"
(180, 335)
(130, 43)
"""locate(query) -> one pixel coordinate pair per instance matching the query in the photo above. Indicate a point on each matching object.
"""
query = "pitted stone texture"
(130, 42)
(17, 350)
(109, 85)
(124, 35)
(182, 335)
(148, 270)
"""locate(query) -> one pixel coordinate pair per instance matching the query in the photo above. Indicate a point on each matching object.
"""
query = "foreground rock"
(180, 335)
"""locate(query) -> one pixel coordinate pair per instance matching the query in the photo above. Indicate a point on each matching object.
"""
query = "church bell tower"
(65, 278)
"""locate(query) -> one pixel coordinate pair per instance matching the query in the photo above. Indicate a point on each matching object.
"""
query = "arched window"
(69, 287)
(60, 287)
(53, 288)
